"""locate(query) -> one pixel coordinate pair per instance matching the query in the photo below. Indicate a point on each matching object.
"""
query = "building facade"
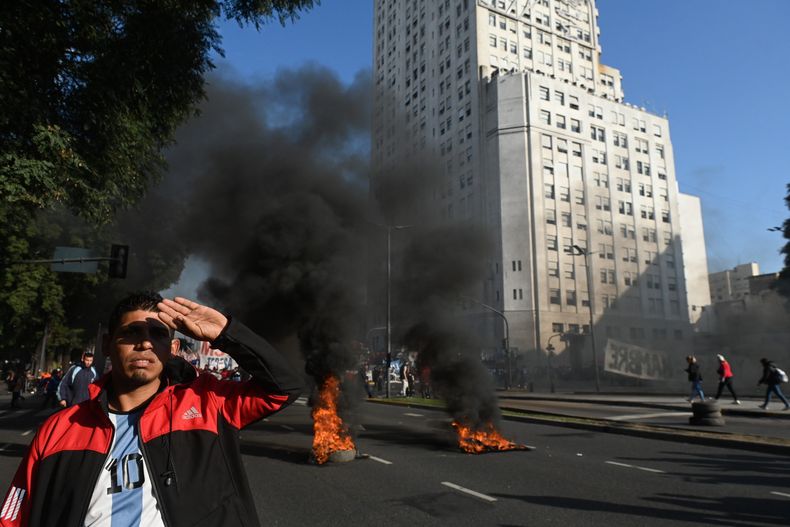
(538, 147)
(732, 284)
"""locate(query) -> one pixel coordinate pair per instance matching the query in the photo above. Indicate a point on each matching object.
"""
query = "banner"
(633, 361)
(214, 358)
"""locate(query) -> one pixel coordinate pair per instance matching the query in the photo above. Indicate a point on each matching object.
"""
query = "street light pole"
(389, 296)
(389, 306)
(586, 255)
(507, 336)
(549, 355)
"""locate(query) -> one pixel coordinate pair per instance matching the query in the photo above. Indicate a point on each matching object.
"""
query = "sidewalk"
(749, 406)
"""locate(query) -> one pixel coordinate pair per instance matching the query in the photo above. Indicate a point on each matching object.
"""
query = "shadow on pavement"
(741, 469)
(702, 511)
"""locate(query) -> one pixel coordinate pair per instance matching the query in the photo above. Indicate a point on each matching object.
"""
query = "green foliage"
(105, 85)
(91, 91)
(783, 284)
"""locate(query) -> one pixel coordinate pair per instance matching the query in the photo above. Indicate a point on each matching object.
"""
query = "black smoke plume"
(274, 180)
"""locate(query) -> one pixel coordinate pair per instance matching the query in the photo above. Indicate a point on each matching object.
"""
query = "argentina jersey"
(124, 496)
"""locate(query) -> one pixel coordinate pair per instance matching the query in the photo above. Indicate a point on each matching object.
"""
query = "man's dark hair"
(139, 301)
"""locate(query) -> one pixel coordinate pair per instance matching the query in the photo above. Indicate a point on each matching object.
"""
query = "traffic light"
(119, 257)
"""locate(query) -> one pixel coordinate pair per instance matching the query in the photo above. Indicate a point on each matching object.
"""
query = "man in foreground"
(147, 449)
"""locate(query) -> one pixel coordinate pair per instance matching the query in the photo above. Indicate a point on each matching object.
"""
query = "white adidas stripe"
(12, 504)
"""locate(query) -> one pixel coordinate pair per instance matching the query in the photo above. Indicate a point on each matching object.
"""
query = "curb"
(718, 439)
(739, 412)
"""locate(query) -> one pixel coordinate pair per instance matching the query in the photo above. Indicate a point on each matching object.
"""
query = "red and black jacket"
(189, 435)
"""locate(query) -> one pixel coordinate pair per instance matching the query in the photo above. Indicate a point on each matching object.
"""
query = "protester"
(51, 390)
(725, 379)
(73, 387)
(695, 378)
(15, 380)
(772, 378)
(151, 448)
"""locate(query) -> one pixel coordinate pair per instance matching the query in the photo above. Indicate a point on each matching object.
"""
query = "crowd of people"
(59, 388)
(772, 377)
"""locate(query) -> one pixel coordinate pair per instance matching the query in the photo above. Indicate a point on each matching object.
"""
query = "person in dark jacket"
(73, 387)
(772, 380)
(695, 378)
(155, 444)
(51, 389)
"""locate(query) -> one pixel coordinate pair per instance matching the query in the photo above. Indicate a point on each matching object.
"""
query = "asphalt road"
(416, 476)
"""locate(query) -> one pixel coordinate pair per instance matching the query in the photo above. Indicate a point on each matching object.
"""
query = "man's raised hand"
(192, 319)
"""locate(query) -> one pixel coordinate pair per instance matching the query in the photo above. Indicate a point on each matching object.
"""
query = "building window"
(573, 102)
(625, 207)
(551, 216)
(569, 271)
(602, 203)
(554, 268)
(554, 297)
(551, 242)
(570, 297)
(545, 117)
(576, 126)
(557, 327)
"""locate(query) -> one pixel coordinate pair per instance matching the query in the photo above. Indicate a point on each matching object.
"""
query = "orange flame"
(485, 439)
(330, 433)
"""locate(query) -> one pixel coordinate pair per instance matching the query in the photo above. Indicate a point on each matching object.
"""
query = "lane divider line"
(382, 461)
(646, 469)
(27, 432)
(413, 415)
(469, 491)
(290, 428)
(783, 494)
(2, 448)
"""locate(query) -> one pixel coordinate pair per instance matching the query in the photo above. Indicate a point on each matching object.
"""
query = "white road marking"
(784, 495)
(654, 470)
(468, 491)
(291, 428)
(414, 415)
(649, 416)
(301, 401)
(2, 448)
(383, 461)
(27, 433)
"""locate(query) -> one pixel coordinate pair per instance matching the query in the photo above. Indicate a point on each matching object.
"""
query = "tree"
(91, 91)
(783, 284)
(104, 84)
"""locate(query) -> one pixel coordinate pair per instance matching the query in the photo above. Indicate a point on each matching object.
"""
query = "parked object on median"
(706, 413)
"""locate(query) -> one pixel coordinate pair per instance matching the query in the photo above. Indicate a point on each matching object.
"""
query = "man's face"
(87, 360)
(140, 347)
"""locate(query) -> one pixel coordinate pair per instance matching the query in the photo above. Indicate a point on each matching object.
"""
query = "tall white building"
(539, 147)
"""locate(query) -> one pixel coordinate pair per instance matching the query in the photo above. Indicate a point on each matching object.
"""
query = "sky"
(717, 68)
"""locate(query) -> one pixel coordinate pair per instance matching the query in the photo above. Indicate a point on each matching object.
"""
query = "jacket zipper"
(154, 479)
(95, 477)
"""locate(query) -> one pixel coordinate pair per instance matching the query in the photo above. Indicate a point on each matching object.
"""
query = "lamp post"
(549, 354)
(583, 252)
(390, 228)
(507, 335)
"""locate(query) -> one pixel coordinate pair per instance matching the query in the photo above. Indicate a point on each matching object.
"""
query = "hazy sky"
(718, 68)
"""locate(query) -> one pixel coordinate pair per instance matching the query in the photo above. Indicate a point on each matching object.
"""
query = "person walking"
(695, 377)
(146, 448)
(73, 387)
(51, 390)
(16, 385)
(772, 378)
(725, 379)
